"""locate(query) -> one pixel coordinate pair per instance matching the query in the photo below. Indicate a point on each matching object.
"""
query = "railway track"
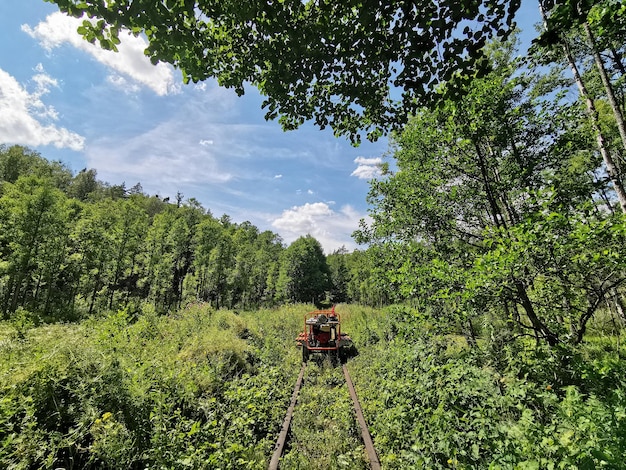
(283, 437)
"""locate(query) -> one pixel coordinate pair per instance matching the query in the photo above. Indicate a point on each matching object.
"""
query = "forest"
(73, 246)
(486, 302)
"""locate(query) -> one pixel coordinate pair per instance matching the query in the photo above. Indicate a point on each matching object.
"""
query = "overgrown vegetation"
(324, 433)
(205, 388)
(196, 389)
(72, 246)
(500, 203)
(432, 401)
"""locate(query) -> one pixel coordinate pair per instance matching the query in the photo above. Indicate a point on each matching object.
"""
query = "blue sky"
(134, 122)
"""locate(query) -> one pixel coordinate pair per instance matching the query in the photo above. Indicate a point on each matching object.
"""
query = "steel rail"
(365, 434)
(282, 437)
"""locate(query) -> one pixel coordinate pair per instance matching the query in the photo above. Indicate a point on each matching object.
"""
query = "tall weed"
(434, 402)
(196, 389)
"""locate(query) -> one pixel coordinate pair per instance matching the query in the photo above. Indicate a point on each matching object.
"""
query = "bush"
(432, 402)
(195, 389)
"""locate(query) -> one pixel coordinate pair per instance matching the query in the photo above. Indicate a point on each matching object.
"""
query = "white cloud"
(159, 158)
(123, 84)
(368, 161)
(206, 142)
(43, 83)
(278, 177)
(367, 168)
(333, 229)
(366, 172)
(26, 120)
(130, 61)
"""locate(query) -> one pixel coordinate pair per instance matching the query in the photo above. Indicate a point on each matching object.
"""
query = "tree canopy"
(352, 65)
(304, 274)
(498, 208)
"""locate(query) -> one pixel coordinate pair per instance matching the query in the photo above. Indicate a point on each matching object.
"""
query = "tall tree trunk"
(582, 329)
(113, 286)
(32, 252)
(500, 222)
(619, 66)
(616, 300)
(611, 167)
(606, 200)
(496, 213)
(470, 336)
(608, 87)
(617, 61)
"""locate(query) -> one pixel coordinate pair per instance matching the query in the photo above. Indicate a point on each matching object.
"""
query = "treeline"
(72, 245)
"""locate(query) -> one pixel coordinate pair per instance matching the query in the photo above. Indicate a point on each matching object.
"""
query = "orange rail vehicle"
(322, 335)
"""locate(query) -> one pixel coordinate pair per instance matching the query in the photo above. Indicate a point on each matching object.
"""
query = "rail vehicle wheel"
(334, 358)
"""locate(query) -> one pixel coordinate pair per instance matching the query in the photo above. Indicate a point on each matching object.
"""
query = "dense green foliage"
(499, 211)
(332, 62)
(432, 401)
(498, 234)
(304, 275)
(353, 66)
(205, 388)
(71, 245)
(197, 389)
